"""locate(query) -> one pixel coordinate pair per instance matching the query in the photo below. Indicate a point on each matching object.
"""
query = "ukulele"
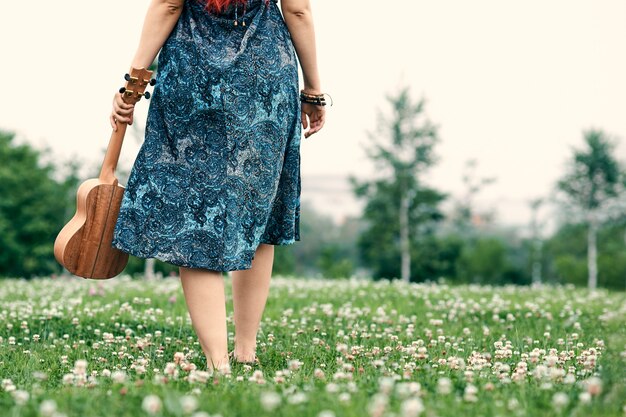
(83, 246)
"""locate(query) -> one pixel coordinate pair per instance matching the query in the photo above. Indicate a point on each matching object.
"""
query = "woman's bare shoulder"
(294, 5)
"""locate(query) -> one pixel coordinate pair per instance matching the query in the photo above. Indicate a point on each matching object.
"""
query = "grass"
(124, 347)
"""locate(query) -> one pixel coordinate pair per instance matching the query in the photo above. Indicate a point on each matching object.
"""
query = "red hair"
(220, 5)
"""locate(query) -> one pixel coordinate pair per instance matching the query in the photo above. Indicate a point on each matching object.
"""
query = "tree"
(397, 203)
(535, 228)
(566, 252)
(33, 208)
(321, 241)
(592, 186)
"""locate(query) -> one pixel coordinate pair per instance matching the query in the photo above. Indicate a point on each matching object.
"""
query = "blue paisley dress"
(219, 170)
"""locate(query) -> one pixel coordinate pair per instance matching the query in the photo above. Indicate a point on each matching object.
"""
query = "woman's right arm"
(299, 20)
(159, 22)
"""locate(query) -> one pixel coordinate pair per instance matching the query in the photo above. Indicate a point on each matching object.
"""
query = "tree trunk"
(536, 274)
(536, 263)
(404, 238)
(592, 253)
(148, 271)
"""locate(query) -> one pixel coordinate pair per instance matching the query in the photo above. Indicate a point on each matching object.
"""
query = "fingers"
(313, 117)
(316, 122)
(122, 111)
(122, 118)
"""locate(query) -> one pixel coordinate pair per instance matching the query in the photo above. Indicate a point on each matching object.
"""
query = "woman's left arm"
(160, 19)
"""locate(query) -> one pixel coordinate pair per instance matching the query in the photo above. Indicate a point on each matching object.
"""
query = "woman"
(216, 183)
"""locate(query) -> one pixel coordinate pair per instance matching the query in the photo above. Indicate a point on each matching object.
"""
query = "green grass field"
(70, 347)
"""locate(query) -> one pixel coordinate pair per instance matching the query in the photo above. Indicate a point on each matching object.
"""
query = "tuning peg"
(146, 95)
(123, 90)
(127, 77)
(152, 81)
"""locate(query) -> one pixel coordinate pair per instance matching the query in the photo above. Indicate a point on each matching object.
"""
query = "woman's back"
(222, 142)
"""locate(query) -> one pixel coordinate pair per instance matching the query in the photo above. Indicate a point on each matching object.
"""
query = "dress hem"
(247, 264)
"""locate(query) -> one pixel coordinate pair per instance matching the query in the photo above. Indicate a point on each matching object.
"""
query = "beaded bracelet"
(316, 99)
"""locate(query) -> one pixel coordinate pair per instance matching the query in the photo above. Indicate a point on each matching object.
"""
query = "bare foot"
(249, 358)
(223, 366)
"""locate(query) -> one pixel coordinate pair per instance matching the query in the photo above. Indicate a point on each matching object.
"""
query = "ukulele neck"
(136, 82)
(107, 173)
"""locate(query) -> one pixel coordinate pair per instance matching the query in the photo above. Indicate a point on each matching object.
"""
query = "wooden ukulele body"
(83, 246)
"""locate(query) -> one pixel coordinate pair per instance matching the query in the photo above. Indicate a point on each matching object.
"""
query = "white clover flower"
(257, 376)
(584, 397)
(119, 377)
(470, 393)
(294, 364)
(378, 404)
(386, 384)
(344, 397)
(68, 379)
(270, 400)
(297, 398)
(332, 387)
(570, 378)
(342, 348)
(560, 400)
(412, 407)
(198, 376)
(178, 357)
(378, 363)
(444, 385)
(170, 369)
(512, 404)
(8, 385)
(80, 367)
(318, 373)
(151, 404)
(326, 413)
(20, 396)
(47, 408)
(188, 403)
(594, 385)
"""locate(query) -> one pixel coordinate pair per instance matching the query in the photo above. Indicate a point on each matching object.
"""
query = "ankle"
(244, 347)
(244, 355)
(217, 363)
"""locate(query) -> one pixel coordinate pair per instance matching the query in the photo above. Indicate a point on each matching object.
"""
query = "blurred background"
(479, 142)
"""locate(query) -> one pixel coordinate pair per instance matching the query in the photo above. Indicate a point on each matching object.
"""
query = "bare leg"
(250, 291)
(204, 294)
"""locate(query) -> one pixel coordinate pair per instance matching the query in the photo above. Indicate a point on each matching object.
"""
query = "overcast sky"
(510, 83)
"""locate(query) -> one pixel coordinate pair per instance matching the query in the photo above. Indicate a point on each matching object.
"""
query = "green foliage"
(401, 149)
(434, 257)
(325, 248)
(594, 174)
(284, 260)
(483, 262)
(33, 209)
(334, 263)
(566, 251)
